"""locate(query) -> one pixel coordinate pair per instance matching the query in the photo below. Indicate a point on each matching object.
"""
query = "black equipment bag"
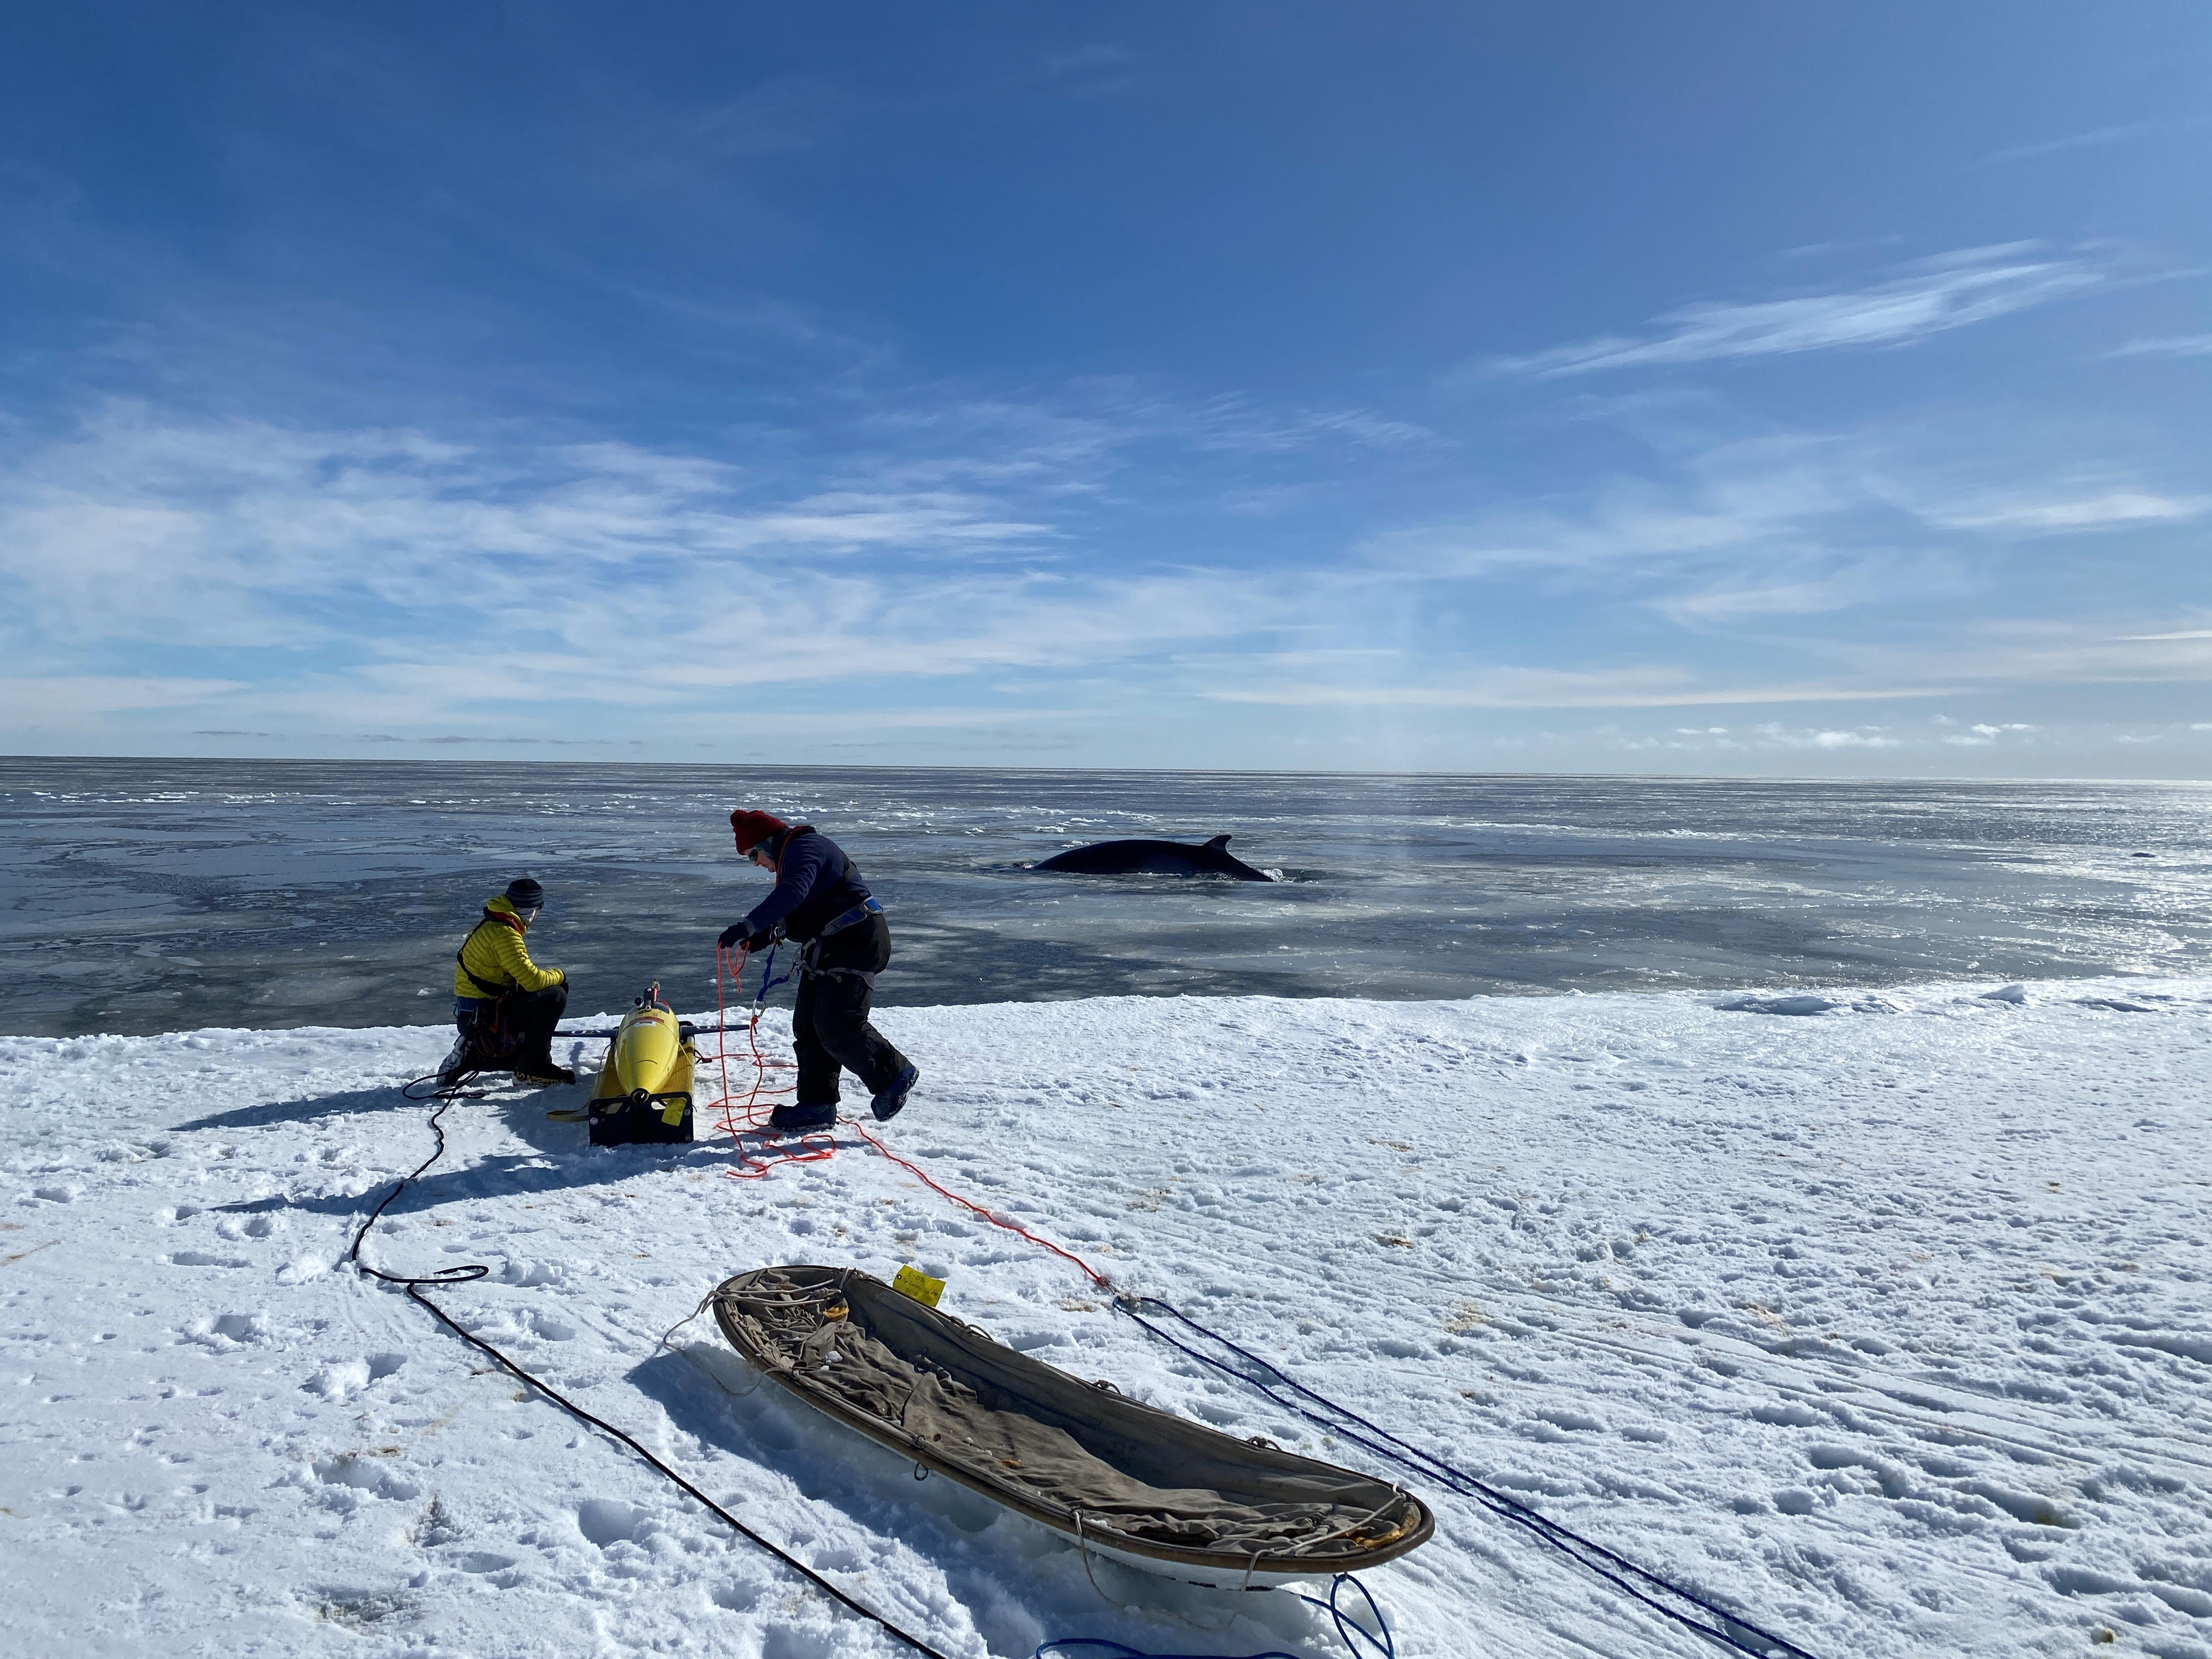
(640, 1120)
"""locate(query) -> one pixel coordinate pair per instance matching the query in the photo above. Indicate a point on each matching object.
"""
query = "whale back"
(1151, 858)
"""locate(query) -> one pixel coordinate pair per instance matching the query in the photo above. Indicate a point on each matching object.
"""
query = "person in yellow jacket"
(506, 1004)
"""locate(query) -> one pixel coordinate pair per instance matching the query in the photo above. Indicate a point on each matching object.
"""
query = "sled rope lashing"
(1688, 1609)
(747, 1116)
(414, 1285)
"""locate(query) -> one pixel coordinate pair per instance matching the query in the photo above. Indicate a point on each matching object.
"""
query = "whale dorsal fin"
(1219, 844)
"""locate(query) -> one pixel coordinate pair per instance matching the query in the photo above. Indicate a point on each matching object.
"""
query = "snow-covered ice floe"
(1886, 1327)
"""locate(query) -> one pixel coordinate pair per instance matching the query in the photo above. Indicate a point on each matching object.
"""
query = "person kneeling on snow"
(504, 1003)
(820, 901)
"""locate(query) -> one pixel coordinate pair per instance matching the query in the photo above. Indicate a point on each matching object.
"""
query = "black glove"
(733, 935)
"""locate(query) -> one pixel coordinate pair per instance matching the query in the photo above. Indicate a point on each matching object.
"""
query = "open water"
(147, 896)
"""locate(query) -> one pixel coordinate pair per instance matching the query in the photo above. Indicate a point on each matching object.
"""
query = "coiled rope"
(742, 1117)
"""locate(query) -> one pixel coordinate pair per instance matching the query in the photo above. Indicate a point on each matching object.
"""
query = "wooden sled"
(1117, 1478)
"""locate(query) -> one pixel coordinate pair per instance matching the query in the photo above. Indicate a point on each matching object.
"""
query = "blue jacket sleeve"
(804, 860)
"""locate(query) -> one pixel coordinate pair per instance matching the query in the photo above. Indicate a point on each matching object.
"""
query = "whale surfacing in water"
(1152, 858)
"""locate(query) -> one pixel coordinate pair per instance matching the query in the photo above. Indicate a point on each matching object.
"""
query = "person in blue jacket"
(820, 902)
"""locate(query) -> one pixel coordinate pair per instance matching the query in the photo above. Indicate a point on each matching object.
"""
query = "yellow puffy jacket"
(493, 958)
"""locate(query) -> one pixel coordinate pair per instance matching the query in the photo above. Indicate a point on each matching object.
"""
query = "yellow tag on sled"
(909, 1281)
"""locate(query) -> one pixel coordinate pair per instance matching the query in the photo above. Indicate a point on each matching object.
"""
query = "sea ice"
(1888, 1332)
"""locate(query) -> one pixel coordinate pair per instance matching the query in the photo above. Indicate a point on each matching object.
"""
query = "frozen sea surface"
(140, 896)
(1880, 1316)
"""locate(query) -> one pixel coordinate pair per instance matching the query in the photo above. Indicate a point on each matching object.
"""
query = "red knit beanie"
(752, 829)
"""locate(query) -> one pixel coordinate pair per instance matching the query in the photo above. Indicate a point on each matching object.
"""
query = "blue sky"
(1737, 388)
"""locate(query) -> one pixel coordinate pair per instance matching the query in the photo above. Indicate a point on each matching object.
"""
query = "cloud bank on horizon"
(1217, 390)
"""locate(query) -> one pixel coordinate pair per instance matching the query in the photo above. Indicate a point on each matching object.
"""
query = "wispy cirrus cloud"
(1932, 297)
(1795, 523)
(2172, 345)
(31, 697)
(241, 533)
(389, 579)
(2096, 138)
(2001, 656)
(1811, 585)
(2054, 515)
(1503, 686)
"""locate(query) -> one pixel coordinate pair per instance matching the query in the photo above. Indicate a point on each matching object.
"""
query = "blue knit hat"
(524, 894)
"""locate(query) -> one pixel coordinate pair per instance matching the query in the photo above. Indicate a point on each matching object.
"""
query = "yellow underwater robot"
(644, 1090)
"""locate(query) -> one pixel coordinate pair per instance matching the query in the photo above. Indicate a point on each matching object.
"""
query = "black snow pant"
(531, 1016)
(829, 1028)
(515, 1029)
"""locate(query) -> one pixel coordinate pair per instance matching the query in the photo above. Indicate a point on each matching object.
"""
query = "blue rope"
(1623, 1574)
(1348, 1628)
(767, 962)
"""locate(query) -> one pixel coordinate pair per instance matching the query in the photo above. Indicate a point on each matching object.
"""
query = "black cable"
(413, 1284)
(1615, 1569)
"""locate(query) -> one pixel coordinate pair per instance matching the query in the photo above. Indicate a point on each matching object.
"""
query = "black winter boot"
(889, 1103)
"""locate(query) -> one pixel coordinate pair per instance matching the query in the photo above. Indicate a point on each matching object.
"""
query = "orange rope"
(758, 1101)
(930, 1182)
(817, 1147)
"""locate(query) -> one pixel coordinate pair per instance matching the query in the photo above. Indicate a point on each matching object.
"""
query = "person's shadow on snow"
(268, 1113)
(560, 1156)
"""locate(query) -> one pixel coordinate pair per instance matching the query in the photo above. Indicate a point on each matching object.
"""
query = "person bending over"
(504, 1003)
(820, 901)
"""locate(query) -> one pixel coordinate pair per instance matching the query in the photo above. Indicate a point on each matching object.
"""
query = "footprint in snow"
(606, 1520)
(336, 1381)
(360, 1471)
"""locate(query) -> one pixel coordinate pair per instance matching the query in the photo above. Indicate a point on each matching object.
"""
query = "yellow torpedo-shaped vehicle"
(644, 1090)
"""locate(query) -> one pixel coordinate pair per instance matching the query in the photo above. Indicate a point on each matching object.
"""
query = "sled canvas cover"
(1083, 1459)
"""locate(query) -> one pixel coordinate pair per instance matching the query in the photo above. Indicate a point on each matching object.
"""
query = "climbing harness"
(484, 989)
(859, 913)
